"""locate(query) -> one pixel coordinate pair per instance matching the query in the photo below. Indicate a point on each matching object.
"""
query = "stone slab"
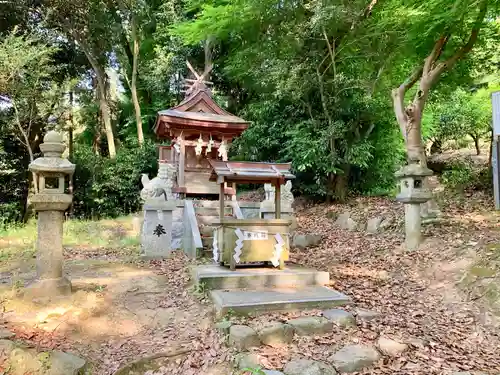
(156, 236)
(257, 301)
(219, 277)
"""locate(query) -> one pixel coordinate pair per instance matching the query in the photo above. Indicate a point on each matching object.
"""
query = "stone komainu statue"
(161, 186)
(286, 193)
(152, 189)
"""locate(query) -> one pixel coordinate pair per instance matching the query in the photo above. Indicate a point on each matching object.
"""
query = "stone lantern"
(52, 197)
(413, 192)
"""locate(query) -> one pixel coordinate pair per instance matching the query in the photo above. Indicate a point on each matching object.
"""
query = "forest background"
(314, 78)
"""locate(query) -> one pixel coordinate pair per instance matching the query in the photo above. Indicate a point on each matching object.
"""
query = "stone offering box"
(252, 240)
(242, 240)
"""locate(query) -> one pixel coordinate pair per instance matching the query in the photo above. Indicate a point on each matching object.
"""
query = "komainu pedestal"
(52, 197)
(156, 238)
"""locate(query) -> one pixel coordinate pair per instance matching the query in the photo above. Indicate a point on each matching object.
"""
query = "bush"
(110, 187)
(464, 176)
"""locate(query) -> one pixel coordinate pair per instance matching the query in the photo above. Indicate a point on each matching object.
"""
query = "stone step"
(210, 204)
(219, 277)
(245, 302)
(207, 220)
(209, 211)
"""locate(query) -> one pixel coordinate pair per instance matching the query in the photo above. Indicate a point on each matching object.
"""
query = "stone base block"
(258, 301)
(48, 288)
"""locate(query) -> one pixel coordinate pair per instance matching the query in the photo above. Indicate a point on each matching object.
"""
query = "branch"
(436, 52)
(21, 130)
(467, 47)
(331, 52)
(323, 100)
(398, 97)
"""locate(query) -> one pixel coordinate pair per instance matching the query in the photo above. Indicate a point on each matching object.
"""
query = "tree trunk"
(492, 139)
(342, 183)
(133, 85)
(476, 143)
(103, 101)
(106, 115)
(71, 126)
(436, 147)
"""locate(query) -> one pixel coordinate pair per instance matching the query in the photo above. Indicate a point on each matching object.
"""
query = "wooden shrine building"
(198, 130)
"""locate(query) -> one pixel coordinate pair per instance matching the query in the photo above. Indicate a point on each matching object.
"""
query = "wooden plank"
(182, 161)
(277, 200)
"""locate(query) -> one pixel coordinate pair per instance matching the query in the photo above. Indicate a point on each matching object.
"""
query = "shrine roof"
(202, 116)
(198, 112)
(249, 172)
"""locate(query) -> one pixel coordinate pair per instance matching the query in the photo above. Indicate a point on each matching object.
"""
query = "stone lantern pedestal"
(412, 194)
(50, 200)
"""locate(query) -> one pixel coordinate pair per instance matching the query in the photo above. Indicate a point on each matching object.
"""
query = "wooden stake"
(221, 201)
(182, 161)
(277, 199)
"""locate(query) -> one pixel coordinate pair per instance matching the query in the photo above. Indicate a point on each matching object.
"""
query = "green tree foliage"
(107, 187)
(314, 78)
(27, 93)
(311, 90)
(463, 113)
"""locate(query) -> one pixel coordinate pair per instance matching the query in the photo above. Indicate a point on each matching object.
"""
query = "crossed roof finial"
(199, 83)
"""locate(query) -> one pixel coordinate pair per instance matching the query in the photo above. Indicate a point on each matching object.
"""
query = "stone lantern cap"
(52, 160)
(413, 170)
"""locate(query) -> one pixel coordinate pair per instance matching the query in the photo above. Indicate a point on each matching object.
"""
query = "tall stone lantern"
(413, 193)
(53, 195)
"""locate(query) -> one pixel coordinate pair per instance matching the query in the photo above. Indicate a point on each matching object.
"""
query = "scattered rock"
(6, 347)
(332, 215)
(344, 221)
(366, 315)
(23, 360)
(276, 334)
(308, 367)
(432, 220)
(340, 317)
(417, 343)
(354, 358)
(247, 360)
(391, 347)
(385, 224)
(223, 327)
(65, 364)
(220, 369)
(272, 372)
(373, 224)
(303, 241)
(311, 325)
(243, 337)
(6, 334)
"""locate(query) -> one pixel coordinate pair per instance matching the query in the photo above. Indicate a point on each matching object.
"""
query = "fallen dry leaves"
(415, 293)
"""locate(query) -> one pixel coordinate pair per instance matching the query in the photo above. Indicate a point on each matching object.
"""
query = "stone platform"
(258, 289)
(257, 301)
(217, 277)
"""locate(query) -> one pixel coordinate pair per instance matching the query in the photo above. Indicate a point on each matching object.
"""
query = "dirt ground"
(441, 300)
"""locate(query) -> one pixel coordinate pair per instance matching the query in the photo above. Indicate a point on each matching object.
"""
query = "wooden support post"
(221, 201)
(234, 188)
(277, 199)
(182, 161)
